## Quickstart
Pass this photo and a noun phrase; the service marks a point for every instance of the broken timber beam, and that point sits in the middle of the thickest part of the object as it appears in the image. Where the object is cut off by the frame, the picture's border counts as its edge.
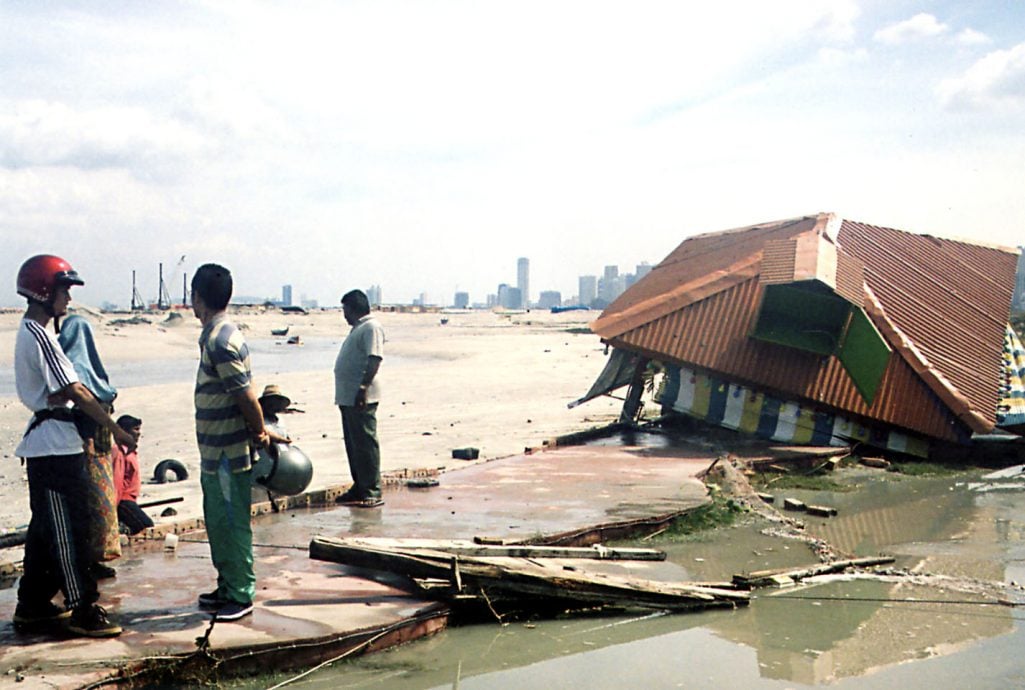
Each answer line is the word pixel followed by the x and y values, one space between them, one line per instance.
pixel 489 549
pixel 518 578
pixel 762 578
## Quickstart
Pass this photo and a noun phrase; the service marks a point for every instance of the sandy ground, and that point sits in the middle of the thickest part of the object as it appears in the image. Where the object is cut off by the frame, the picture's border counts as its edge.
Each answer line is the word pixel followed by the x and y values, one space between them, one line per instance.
pixel 500 383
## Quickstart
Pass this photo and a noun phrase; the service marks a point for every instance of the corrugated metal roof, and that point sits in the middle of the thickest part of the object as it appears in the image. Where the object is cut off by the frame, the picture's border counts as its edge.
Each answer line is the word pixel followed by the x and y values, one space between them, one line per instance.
pixel 700 266
pixel 713 335
pixel 945 303
pixel 951 299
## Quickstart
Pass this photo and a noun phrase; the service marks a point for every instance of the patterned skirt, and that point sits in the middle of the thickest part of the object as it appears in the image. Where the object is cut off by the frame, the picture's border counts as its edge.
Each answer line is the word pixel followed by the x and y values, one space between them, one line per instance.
pixel 104 537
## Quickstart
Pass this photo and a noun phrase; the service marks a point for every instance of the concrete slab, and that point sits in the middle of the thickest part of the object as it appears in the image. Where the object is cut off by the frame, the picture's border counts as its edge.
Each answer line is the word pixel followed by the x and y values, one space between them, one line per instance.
pixel 308 611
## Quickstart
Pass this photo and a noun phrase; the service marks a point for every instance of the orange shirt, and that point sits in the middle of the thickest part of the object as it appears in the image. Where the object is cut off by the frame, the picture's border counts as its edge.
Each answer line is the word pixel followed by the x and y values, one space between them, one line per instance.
pixel 127 480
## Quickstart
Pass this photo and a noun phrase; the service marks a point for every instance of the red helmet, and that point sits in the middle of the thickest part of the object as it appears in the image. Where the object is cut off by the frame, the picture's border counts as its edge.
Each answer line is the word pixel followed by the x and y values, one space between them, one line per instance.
pixel 40 275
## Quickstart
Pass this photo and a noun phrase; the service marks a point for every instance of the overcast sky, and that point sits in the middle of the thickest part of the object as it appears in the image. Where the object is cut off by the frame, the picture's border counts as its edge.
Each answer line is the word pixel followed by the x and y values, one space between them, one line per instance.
pixel 424 146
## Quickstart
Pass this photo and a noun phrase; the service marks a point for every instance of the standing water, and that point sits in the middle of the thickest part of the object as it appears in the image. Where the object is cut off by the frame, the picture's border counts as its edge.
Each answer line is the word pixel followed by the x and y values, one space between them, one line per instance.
pixel 841 632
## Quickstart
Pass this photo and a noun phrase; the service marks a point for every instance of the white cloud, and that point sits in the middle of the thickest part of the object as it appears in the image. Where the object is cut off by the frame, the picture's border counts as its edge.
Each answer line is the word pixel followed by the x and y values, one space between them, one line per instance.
pixel 298 129
pixel 971 37
pixel 995 81
pixel 234 109
pixel 837 20
pixel 920 26
pixel 43 133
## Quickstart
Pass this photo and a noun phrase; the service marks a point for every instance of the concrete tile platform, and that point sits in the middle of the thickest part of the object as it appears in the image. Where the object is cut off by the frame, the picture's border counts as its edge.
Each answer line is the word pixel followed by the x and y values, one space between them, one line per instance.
pixel 308 611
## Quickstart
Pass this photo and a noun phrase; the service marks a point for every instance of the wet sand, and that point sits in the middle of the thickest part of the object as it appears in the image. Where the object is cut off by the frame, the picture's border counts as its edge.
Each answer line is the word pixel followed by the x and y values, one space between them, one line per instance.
pixel 496 382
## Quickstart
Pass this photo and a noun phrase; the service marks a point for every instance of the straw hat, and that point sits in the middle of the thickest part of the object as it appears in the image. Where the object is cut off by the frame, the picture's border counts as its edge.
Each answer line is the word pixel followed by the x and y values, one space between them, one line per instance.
pixel 272 393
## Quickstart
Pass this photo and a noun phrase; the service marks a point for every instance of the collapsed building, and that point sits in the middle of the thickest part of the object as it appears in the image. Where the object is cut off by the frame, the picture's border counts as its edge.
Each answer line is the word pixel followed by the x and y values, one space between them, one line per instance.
pixel 826 331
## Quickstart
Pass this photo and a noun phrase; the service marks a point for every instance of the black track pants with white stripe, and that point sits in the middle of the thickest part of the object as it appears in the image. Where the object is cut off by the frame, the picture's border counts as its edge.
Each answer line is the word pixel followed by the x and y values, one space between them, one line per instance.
pixel 56 546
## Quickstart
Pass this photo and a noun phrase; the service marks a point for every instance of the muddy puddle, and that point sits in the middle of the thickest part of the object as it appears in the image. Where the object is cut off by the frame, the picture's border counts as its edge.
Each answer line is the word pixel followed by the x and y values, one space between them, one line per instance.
pixel 946 631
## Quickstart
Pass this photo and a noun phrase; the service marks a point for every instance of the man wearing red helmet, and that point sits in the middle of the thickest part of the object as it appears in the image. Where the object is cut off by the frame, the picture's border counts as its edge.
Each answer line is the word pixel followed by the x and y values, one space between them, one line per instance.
pixel 55 553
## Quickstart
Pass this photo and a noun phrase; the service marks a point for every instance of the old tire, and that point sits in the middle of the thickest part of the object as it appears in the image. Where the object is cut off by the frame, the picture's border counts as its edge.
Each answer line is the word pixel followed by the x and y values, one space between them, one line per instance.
pixel 164 467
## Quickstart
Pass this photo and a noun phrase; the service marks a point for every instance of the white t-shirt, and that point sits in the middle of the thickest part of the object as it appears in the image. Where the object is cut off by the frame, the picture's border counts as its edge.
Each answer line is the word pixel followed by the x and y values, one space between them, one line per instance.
pixel 366 339
pixel 42 368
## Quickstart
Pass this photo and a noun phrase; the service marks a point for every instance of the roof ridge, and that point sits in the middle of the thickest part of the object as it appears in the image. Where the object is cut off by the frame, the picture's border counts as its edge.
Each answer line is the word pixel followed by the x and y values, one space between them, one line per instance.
pixel 659 305
pixel 702 287
pixel 777 224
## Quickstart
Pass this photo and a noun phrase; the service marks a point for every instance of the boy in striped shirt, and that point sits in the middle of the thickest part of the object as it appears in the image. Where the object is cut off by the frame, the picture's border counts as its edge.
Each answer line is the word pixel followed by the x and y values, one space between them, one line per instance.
pixel 228 421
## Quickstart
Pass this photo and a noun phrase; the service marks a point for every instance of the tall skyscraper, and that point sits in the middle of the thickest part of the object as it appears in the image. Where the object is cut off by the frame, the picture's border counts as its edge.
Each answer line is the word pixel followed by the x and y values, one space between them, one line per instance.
pixel 462 300
pixel 610 284
pixel 374 295
pixel 509 297
pixel 587 289
pixel 523 281
pixel 286 295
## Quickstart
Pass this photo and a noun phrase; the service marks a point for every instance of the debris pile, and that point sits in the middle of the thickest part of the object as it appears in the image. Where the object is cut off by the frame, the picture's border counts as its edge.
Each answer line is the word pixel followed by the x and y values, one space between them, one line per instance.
pixel 508 579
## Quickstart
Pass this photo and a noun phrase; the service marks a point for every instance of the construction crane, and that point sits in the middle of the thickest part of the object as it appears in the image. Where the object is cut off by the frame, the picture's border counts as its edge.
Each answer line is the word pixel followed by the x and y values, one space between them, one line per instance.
pixel 185 293
pixel 164 297
pixel 137 303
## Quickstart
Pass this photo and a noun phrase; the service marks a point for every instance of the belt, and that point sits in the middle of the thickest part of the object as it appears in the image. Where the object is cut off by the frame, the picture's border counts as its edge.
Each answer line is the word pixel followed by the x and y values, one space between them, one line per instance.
pixel 61 414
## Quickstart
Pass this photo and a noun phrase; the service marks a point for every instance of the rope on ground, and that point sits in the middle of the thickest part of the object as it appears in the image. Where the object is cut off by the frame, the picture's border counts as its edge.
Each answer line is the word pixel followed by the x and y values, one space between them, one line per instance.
pixel 202 649
pixel 360 647
pixel 256 545
pixel 195 540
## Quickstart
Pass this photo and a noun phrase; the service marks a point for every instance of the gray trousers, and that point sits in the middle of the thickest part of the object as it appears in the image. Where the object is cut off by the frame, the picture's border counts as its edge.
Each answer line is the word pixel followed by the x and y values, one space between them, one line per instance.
pixel 359 427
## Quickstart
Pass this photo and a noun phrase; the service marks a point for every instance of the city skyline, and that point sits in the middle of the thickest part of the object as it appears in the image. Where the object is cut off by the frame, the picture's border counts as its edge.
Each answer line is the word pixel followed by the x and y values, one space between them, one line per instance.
pixel 135 134
pixel 377 294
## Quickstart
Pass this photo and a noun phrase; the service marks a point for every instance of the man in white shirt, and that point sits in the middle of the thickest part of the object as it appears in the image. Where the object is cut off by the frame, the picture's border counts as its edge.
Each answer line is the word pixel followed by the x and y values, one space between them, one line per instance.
pixel 56 553
pixel 357 394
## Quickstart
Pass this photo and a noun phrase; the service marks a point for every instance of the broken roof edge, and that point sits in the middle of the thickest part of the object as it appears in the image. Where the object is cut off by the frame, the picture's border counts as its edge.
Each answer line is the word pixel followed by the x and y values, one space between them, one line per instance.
pixel 971 242
pixel 655 307
pixel 956 239
pixel 937 382
pixel 822 222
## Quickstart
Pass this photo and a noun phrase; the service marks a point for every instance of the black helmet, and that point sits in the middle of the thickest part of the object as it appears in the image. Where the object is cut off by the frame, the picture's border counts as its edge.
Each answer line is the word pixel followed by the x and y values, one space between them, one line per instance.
pixel 283 468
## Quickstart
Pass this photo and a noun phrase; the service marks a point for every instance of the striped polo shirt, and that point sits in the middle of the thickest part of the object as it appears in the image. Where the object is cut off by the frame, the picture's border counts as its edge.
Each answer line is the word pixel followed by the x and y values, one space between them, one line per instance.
pixel 223 371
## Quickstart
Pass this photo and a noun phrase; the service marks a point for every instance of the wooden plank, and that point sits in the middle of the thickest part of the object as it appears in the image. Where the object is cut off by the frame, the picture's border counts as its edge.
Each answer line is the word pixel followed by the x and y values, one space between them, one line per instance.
pixel 761 578
pixel 514 577
pixel 458 547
